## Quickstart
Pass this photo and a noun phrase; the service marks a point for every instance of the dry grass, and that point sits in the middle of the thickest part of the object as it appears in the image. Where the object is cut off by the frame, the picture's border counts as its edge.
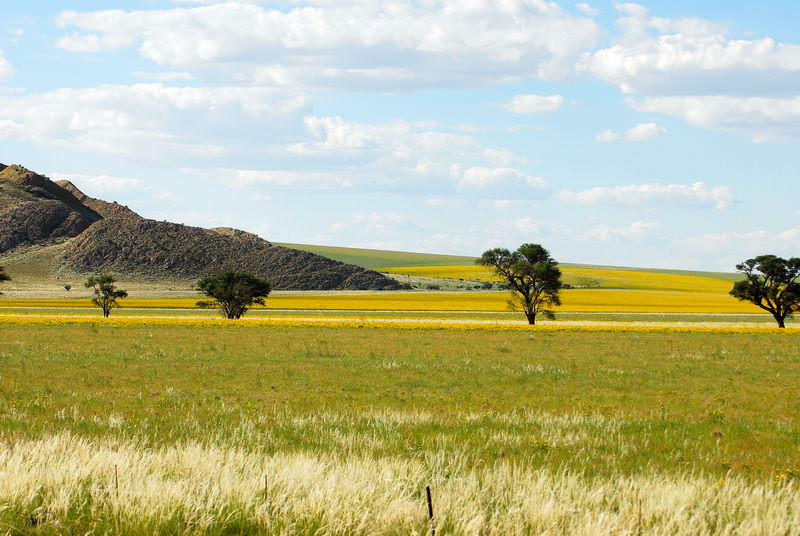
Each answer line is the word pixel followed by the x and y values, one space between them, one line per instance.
pixel 62 481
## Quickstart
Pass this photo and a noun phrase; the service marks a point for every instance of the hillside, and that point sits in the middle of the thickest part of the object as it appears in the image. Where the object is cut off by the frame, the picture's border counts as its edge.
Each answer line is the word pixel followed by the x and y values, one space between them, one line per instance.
pixel 399 262
pixel 50 229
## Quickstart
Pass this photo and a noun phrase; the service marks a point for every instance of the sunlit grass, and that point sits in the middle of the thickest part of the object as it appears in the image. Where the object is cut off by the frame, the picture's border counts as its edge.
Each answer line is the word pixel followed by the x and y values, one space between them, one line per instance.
pixel 516 432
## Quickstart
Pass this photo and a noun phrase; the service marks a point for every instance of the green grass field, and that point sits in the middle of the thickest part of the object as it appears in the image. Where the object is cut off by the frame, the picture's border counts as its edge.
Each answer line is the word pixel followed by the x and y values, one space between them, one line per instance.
pixel 219 430
pixel 377 259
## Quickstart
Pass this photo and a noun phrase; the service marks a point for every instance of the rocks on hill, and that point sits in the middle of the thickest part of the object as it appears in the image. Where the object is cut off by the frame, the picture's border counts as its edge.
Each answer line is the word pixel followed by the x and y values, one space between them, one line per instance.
pixel 108 237
pixel 104 208
pixel 148 248
pixel 35 210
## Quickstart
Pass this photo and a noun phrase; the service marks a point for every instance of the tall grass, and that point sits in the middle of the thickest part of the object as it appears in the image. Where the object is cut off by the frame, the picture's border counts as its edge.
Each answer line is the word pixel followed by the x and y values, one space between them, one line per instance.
pixel 63 481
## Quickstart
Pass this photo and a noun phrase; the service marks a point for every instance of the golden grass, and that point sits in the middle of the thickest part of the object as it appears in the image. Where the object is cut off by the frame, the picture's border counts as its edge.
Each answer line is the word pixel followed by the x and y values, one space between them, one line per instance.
pixel 63 480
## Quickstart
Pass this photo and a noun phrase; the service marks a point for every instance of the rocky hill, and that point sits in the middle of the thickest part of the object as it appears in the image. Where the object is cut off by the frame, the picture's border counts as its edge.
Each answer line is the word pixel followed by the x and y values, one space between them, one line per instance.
pixel 108 237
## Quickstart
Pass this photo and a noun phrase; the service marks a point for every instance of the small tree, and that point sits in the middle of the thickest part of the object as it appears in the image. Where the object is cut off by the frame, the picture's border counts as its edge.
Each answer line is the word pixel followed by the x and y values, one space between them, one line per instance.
pixel 106 293
pixel 4 276
pixel 532 276
pixel 233 292
pixel 67 287
pixel 772 284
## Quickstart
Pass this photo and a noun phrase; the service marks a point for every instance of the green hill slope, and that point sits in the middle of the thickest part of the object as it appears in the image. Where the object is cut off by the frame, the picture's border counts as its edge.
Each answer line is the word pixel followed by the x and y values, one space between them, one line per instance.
pixel 376 258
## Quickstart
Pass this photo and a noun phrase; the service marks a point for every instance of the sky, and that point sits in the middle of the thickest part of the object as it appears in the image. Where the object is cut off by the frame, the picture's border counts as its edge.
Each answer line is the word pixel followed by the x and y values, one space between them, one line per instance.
pixel 654 134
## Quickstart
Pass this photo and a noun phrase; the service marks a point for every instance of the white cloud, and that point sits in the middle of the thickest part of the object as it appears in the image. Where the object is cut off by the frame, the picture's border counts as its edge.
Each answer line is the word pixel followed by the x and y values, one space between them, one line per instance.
pixel 6 70
pixel 607 136
pixel 534 104
pixel 762 118
pixel 734 247
pixel 645 131
pixel 396 140
pixel 637 231
pixel 691 56
pixel 246 178
pixel 170 76
pixel 10 129
pixel 588 10
pixel 720 197
pixel 165 196
pixel 100 185
pixel 396 45
pixel 371 225
pixel 152 121
pixel 494 178
pixel 503 203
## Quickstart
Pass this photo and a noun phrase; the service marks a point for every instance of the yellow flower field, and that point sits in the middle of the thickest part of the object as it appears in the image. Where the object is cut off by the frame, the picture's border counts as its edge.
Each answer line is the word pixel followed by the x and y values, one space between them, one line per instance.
pixel 574 300
pixel 582 277
pixel 384 323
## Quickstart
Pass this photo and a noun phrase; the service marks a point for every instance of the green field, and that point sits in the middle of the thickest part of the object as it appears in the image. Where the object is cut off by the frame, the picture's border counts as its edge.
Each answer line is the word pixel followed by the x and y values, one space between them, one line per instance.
pixel 377 259
pixel 223 429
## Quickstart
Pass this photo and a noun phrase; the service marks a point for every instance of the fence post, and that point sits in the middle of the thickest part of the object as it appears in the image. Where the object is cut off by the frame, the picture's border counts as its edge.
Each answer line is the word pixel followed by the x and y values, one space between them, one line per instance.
pixel 430 510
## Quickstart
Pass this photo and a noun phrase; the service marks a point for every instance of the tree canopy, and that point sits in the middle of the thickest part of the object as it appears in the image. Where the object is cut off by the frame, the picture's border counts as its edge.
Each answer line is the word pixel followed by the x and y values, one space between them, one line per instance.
pixel 4 276
pixel 106 293
pixel 531 274
pixel 772 284
pixel 233 292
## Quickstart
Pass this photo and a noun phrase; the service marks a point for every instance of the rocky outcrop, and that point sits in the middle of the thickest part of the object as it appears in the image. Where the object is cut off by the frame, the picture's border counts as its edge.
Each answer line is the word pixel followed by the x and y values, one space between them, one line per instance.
pixel 109 237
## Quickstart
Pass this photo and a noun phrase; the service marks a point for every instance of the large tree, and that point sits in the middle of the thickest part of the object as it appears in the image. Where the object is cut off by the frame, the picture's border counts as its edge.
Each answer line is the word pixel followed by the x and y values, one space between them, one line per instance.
pixel 106 293
pixel 771 283
pixel 233 292
pixel 532 276
pixel 4 276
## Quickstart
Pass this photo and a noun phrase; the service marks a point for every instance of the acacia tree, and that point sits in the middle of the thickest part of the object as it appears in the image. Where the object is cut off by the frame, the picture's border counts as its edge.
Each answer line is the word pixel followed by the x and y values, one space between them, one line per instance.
pixel 233 292
pixel 772 284
pixel 106 293
pixel 4 276
pixel 532 276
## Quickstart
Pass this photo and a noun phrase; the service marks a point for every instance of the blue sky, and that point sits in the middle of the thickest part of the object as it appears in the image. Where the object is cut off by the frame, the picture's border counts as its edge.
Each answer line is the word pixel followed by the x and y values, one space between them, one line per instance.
pixel 659 134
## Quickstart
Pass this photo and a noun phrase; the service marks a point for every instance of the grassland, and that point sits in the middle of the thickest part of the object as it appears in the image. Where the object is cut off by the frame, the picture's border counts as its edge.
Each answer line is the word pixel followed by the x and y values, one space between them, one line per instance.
pixel 220 429
pixel 655 404
pixel 377 258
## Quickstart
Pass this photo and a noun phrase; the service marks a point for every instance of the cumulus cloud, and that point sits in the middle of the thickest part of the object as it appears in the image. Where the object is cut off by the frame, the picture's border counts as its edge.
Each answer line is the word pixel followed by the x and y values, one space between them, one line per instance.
pixel 152 121
pixel 502 179
pixel 372 226
pixel 534 104
pixel 99 185
pixel 720 197
pixel 691 56
pixel 275 178
pixel 645 131
pixel 728 248
pixel 607 136
pixel 395 45
pixel 170 76
pixel 637 231
pixel 6 70
pixel 762 118
pixel 588 10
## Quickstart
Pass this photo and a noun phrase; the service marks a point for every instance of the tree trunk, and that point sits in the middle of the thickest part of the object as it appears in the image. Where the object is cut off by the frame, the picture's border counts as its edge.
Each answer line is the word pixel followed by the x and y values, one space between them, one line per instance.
pixel 780 320
pixel 531 317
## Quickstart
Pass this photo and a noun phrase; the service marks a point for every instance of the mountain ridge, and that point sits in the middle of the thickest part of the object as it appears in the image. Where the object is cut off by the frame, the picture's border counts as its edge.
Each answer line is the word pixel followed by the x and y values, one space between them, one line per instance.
pixel 108 237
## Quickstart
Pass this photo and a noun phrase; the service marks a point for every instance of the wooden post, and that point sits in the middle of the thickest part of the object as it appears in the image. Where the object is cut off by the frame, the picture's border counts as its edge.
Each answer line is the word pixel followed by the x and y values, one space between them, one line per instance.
pixel 116 481
pixel 266 489
pixel 639 518
pixel 430 510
